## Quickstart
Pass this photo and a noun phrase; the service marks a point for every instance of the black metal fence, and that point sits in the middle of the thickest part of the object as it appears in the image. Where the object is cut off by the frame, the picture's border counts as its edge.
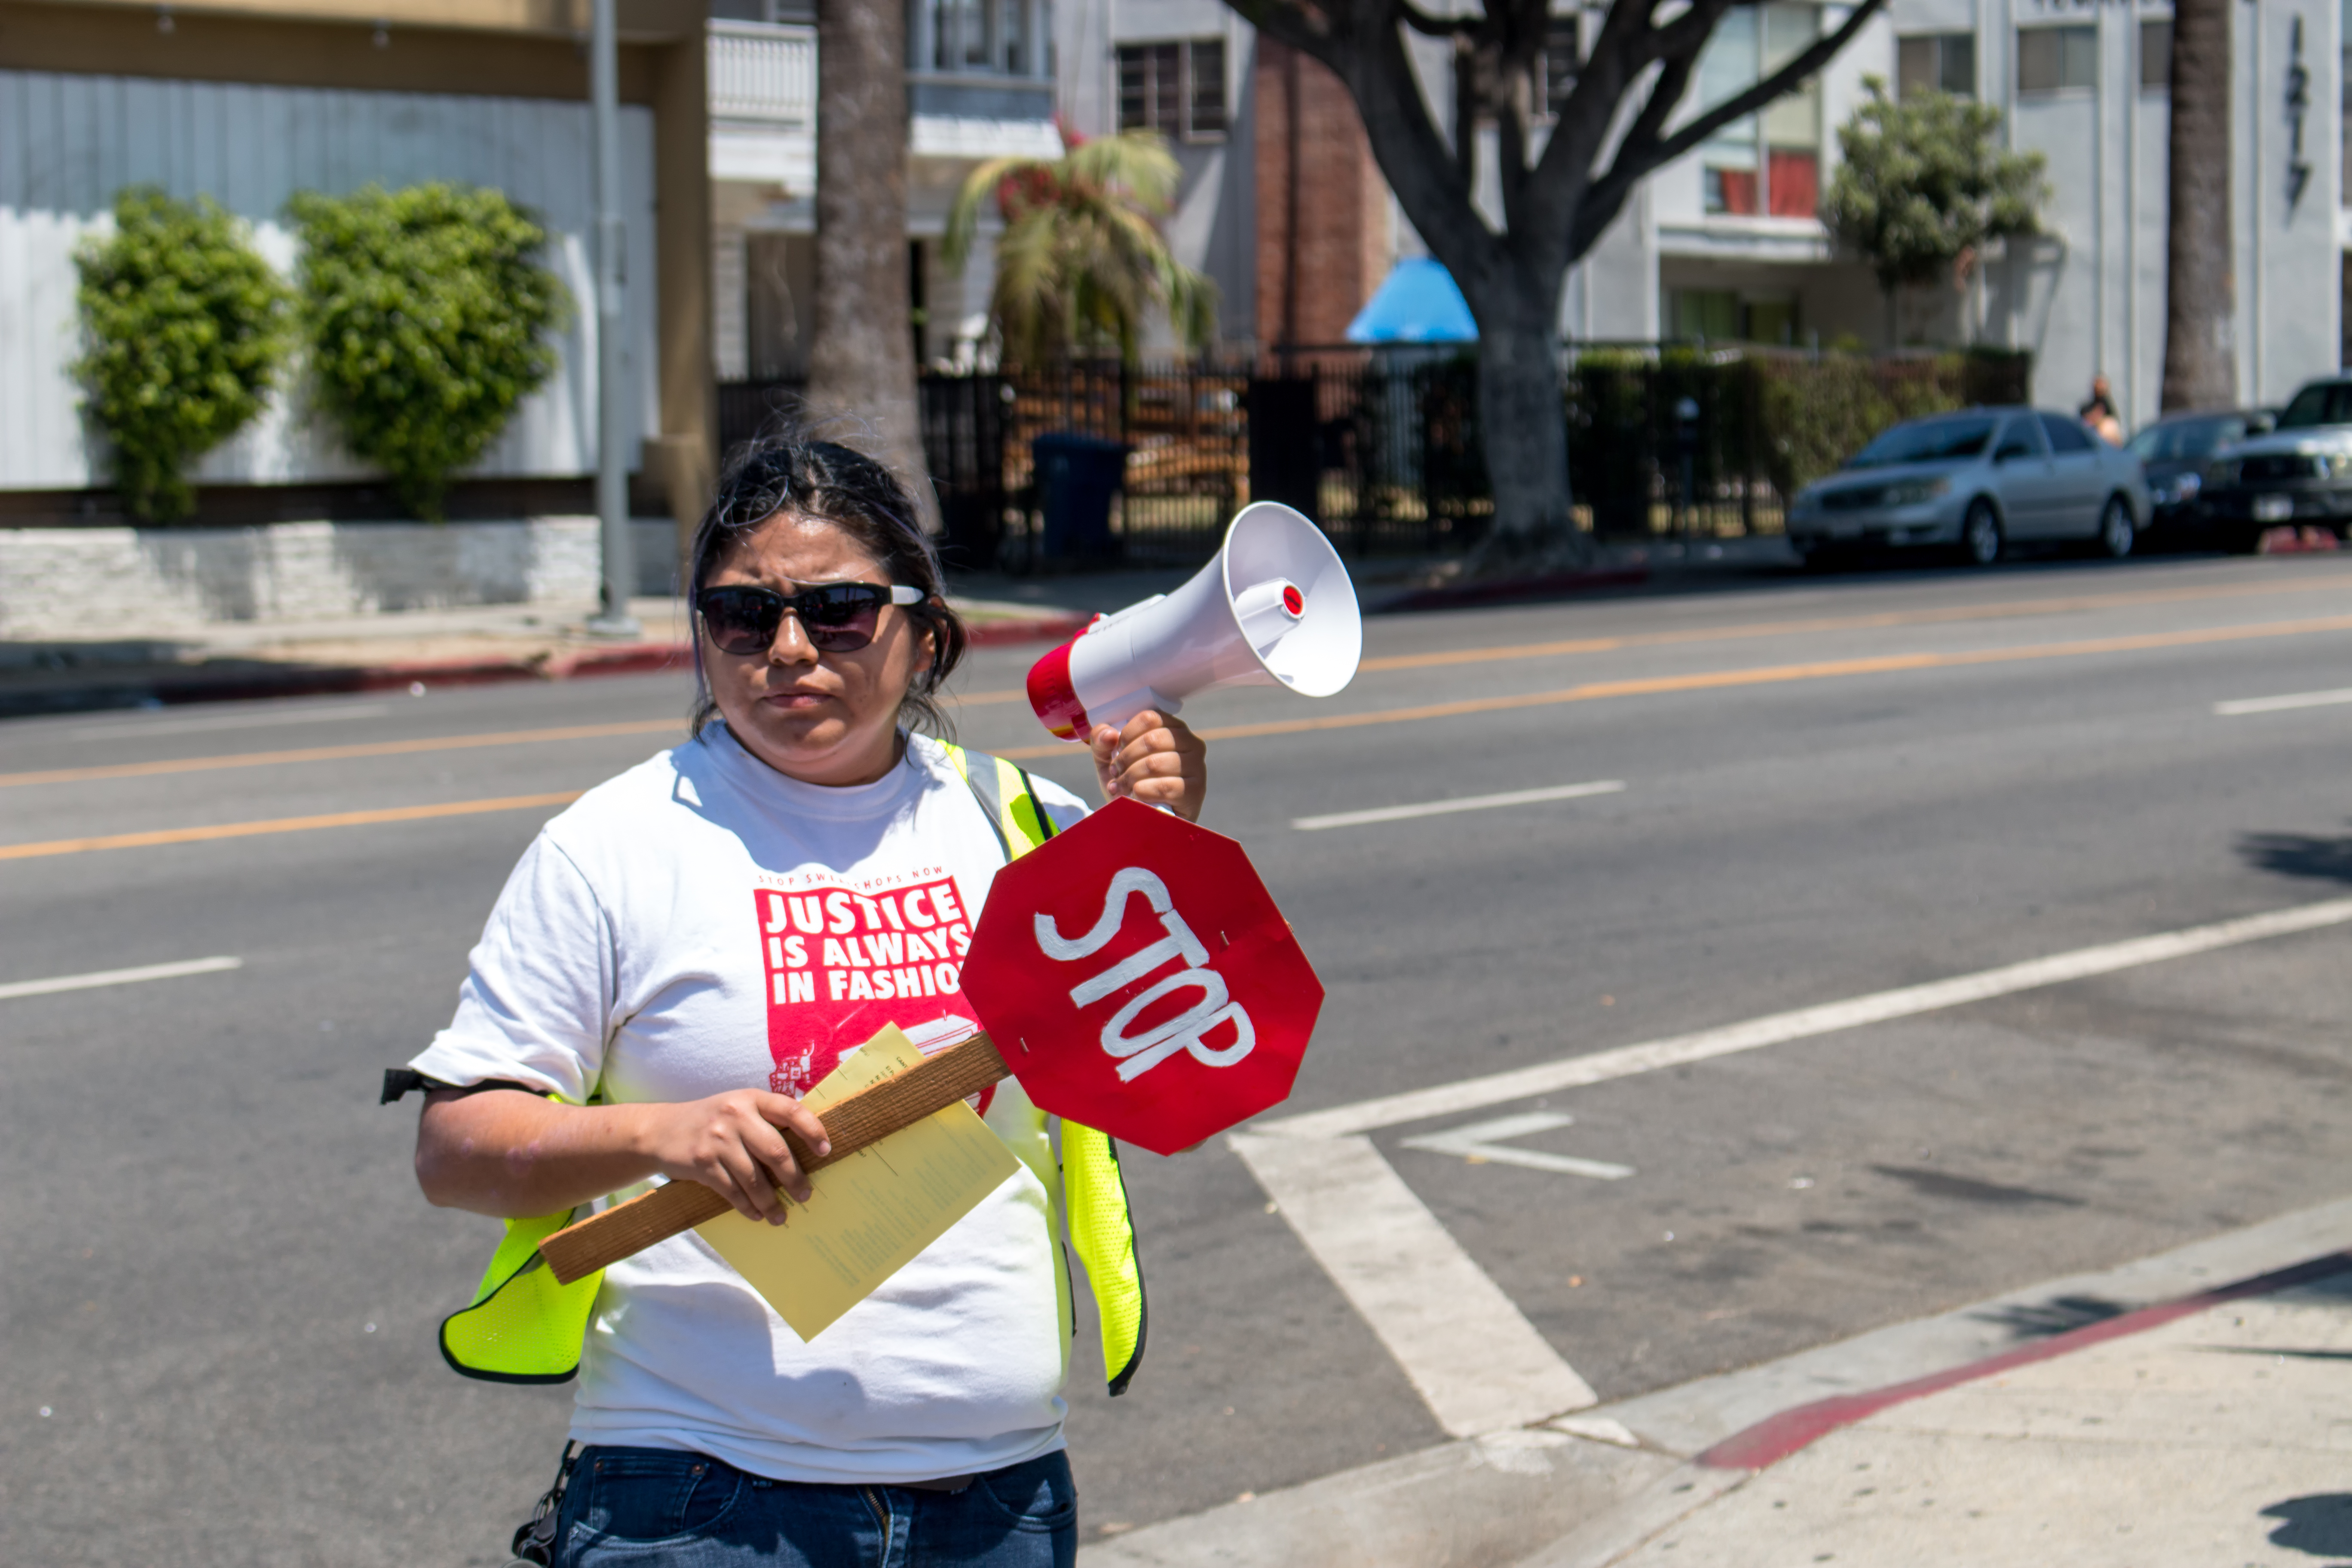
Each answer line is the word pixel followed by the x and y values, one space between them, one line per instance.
pixel 1381 445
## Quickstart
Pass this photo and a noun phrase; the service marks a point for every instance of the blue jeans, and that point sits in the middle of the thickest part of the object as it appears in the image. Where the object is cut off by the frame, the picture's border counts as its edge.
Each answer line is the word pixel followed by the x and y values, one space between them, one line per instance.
pixel 644 1507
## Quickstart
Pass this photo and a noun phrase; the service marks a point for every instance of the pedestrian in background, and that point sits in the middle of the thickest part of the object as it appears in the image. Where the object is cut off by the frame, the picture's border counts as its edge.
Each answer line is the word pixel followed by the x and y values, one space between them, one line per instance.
pixel 627 986
pixel 2099 413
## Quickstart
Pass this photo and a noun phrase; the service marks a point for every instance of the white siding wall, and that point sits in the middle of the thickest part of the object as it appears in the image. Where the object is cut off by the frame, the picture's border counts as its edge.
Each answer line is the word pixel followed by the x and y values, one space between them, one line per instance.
pixel 68 143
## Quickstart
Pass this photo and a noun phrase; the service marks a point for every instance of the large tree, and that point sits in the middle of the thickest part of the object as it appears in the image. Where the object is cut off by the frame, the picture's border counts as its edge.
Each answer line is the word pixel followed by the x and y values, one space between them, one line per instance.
pixel 862 355
pixel 1561 185
pixel 2201 358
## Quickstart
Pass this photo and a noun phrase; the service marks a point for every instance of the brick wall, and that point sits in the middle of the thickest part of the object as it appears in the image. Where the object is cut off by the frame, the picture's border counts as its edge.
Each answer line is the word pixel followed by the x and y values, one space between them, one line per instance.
pixel 179 578
pixel 1309 291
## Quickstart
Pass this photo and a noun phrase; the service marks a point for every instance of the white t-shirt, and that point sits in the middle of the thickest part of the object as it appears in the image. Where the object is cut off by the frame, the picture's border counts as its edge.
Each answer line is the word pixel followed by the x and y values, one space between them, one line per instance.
pixel 703 924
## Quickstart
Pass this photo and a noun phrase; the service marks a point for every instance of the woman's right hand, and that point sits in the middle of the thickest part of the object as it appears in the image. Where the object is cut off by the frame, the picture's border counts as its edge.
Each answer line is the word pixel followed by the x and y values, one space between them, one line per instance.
pixel 730 1144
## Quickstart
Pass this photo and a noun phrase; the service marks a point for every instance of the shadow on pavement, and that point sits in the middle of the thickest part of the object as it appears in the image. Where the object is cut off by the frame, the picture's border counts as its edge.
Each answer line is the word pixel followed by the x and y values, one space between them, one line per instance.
pixel 2298 855
pixel 2320 1524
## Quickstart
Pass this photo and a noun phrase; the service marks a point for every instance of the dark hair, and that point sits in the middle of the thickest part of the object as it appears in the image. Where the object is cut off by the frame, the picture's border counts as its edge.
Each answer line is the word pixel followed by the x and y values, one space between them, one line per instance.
pixel 785 472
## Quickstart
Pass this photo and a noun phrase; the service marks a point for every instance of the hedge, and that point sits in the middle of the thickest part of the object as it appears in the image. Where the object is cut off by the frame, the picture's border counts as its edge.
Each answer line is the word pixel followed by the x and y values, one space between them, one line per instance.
pixel 186 327
pixel 428 310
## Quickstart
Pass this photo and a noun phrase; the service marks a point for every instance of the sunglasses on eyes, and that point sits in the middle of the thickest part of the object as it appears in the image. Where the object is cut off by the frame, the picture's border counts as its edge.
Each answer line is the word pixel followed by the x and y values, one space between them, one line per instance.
pixel 838 617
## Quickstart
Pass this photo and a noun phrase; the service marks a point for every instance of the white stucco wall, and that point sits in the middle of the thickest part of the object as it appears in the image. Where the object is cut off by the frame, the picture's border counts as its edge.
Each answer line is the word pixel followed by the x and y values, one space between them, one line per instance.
pixel 69 143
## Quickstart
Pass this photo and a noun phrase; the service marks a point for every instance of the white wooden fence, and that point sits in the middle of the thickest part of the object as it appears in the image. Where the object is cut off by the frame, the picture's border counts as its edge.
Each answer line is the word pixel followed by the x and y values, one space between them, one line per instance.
pixel 68 143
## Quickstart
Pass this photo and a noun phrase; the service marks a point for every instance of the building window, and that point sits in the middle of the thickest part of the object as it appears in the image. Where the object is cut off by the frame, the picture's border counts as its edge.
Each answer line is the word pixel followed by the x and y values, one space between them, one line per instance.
pixel 1936 62
pixel 1177 90
pixel 1769 163
pixel 2051 59
pixel 1562 58
pixel 1204 89
pixel 983 36
pixel 2156 55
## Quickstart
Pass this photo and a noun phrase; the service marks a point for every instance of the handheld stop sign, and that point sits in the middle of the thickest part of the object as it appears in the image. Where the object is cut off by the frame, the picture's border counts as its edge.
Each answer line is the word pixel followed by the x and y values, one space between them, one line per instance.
pixel 1134 974
pixel 1136 978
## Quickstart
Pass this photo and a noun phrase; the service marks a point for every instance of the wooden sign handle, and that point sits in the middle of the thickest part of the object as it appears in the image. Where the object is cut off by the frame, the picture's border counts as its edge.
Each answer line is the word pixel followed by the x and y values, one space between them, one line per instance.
pixel 867 1117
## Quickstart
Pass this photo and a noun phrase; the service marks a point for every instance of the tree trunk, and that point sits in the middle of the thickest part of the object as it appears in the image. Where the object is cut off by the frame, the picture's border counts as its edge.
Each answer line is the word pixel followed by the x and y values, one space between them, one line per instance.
pixel 2200 361
pixel 1523 428
pixel 862 356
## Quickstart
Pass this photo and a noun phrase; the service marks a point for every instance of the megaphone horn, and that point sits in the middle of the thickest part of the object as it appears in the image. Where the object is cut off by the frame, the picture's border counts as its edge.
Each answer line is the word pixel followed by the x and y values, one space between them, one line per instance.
pixel 1275 609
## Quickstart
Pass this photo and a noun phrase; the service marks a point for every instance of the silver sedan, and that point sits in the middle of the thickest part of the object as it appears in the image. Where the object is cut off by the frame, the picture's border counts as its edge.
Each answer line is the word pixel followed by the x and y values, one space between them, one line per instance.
pixel 1978 482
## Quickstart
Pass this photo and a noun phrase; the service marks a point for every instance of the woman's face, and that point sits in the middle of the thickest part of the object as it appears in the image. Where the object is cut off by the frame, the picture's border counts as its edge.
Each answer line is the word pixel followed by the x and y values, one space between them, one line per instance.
pixel 824 717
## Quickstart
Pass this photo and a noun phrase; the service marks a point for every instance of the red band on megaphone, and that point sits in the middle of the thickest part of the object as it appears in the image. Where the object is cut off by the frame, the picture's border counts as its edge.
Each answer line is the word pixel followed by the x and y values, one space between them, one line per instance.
pixel 1054 699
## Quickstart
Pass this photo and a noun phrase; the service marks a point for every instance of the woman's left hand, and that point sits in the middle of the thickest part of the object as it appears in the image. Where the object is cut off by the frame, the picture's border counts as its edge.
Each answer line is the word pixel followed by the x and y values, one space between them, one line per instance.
pixel 1156 760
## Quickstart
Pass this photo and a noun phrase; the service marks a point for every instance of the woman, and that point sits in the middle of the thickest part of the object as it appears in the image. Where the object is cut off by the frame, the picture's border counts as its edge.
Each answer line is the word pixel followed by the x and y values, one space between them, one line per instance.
pixel 637 956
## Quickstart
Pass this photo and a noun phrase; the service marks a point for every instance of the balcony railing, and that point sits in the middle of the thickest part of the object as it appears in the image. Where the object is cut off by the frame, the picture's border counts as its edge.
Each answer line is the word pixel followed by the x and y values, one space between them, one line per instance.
pixel 764 72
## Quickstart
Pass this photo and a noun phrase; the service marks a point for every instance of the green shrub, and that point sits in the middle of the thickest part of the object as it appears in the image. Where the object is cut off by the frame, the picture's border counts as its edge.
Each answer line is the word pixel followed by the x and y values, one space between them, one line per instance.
pixel 185 328
pixel 428 312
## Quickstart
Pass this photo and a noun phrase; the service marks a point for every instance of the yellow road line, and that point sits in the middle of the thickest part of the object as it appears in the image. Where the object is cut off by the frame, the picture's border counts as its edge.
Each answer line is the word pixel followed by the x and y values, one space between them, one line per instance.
pixel 1511 652
pixel 342 753
pixel 283 824
pixel 1879 620
pixel 1702 680
pixel 1717 680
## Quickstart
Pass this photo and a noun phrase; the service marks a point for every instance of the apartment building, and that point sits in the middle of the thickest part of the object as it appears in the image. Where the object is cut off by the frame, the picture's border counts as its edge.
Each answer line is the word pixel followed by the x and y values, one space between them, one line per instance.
pixel 1283 207
pixel 2085 83
pixel 980 85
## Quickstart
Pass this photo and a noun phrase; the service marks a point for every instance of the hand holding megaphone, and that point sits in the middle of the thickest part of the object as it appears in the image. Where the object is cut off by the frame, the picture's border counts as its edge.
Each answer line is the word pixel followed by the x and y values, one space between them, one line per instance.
pixel 1275 609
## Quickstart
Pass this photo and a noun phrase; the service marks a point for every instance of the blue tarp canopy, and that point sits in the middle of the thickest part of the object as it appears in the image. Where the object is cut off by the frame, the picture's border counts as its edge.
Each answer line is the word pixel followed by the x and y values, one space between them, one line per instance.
pixel 1417 304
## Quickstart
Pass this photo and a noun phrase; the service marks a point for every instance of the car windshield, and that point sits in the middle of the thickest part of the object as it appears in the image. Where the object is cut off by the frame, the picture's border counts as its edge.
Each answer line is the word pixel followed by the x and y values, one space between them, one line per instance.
pixel 2321 402
pixel 2177 439
pixel 1926 442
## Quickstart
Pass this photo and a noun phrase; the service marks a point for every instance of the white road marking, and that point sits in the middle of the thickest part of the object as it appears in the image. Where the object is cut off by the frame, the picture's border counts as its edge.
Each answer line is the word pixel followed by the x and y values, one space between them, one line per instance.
pixel 1467 802
pixel 132 730
pixel 1474 1359
pixel 1478 1364
pixel 1485 1141
pixel 117 976
pixel 2245 705
pixel 1600 1066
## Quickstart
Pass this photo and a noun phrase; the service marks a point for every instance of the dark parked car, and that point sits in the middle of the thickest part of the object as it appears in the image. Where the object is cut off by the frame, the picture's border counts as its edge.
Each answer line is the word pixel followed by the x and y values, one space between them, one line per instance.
pixel 2300 473
pixel 2175 451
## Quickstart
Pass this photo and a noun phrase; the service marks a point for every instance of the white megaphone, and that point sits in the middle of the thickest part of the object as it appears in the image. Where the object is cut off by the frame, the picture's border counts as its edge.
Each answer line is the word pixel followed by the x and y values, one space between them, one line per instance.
pixel 1275 609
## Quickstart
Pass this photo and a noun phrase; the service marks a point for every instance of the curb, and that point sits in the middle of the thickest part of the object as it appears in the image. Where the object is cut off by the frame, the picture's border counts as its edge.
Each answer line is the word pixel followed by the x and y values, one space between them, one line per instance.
pixel 259 680
pixel 1776 1437
pixel 1553 585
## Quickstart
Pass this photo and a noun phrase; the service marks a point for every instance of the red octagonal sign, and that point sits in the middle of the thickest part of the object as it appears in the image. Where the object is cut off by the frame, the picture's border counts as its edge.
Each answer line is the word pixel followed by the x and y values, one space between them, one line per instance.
pixel 1138 978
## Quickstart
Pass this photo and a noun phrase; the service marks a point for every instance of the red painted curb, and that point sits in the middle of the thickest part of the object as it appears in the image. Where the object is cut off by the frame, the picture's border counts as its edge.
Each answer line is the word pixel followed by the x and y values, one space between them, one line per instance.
pixel 259 681
pixel 1046 628
pixel 1776 1437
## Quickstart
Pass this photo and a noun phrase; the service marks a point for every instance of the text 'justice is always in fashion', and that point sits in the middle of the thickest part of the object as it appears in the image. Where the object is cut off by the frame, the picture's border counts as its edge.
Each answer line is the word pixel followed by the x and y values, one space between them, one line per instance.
pixel 841 962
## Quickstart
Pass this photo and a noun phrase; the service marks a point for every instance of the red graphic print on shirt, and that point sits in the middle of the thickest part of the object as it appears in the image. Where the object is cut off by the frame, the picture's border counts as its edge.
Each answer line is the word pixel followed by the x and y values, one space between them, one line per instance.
pixel 845 959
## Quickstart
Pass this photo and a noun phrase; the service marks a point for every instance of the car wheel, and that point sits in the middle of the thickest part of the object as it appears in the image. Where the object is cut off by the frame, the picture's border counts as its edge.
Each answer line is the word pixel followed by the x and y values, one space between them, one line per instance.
pixel 2116 531
pixel 1980 537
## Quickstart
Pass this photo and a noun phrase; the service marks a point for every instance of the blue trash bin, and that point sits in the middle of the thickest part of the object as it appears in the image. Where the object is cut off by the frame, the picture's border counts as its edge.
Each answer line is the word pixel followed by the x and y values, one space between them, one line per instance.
pixel 1076 476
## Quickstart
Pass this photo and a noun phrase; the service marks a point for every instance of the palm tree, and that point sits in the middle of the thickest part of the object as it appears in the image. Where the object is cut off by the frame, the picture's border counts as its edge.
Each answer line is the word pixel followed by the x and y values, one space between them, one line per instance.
pixel 862 353
pixel 1082 263
pixel 2200 363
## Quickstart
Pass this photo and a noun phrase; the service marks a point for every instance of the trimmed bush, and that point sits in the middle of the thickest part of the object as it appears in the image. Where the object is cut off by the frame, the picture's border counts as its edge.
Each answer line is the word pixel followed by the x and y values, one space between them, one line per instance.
pixel 428 310
pixel 186 327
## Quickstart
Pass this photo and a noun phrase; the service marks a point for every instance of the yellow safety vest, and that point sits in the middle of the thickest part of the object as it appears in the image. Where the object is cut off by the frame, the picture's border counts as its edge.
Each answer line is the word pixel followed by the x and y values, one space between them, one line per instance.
pixel 524 1327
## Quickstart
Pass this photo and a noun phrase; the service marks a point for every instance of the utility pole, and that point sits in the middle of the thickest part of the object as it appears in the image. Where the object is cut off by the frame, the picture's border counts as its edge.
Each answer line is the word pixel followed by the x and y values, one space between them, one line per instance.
pixel 612 433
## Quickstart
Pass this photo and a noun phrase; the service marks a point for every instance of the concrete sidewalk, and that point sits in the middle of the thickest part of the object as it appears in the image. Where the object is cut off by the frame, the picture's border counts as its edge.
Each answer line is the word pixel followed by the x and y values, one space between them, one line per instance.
pixel 2216 1436
pixel 2188 1410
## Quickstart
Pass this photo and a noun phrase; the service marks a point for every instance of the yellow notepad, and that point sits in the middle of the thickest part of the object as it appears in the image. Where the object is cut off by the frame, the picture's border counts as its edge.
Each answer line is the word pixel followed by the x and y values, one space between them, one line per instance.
pixel 867 1217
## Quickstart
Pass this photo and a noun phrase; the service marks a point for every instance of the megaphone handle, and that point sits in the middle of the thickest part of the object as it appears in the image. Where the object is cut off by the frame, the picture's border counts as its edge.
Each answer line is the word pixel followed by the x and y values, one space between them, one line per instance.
pixel 851 1123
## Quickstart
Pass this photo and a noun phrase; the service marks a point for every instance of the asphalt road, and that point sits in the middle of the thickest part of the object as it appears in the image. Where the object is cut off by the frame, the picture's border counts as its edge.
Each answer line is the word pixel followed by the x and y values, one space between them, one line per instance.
pixel 220 1286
